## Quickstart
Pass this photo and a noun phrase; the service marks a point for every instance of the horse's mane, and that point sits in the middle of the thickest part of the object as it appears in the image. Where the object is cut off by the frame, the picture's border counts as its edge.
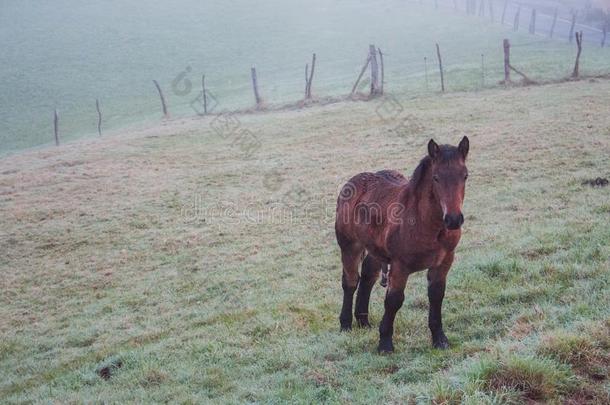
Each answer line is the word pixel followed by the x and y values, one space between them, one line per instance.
pixel 420 171
pixel 447 153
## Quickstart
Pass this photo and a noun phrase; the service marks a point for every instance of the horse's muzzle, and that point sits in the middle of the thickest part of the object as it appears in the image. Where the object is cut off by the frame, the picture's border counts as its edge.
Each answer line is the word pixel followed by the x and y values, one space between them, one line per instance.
pixel 453 221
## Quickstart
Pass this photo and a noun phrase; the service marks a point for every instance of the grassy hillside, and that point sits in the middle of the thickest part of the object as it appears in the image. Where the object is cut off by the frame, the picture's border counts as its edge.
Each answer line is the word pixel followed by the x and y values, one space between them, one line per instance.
pixel 65 54
pixel 173 264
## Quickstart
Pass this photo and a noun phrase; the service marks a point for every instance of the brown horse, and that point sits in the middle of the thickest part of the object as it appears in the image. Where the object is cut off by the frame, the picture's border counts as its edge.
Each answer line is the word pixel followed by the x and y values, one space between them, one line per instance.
pixel 410 225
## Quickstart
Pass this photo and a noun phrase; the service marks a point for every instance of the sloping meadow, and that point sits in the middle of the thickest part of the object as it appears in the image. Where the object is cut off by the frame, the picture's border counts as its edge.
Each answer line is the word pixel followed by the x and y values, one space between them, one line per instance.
pixel 175 265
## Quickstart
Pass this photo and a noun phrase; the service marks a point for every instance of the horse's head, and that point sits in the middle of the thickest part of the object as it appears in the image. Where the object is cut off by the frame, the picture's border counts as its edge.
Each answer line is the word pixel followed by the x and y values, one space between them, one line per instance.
pixel 449 173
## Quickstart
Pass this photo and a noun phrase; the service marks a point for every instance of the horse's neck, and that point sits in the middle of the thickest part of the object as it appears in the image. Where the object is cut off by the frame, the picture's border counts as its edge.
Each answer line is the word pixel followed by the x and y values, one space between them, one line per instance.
pixel 424 204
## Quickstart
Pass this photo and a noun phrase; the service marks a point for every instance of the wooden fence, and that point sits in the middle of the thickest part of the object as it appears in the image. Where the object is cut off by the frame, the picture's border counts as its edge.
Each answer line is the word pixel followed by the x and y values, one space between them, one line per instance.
pixel 374 62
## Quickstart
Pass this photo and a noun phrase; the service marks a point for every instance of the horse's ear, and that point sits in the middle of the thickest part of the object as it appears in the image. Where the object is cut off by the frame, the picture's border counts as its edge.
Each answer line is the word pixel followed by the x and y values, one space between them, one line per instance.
pixel 433 149
pixel 464 146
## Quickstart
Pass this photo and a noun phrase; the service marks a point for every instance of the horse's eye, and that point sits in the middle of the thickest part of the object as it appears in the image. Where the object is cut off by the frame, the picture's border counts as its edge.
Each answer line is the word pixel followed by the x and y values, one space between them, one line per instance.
pixel 435 178
pixel 465 176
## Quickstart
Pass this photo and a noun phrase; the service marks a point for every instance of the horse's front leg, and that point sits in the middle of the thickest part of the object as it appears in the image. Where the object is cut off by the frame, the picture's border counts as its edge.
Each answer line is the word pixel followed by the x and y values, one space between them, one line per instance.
pixel 437 277
pixel 394 297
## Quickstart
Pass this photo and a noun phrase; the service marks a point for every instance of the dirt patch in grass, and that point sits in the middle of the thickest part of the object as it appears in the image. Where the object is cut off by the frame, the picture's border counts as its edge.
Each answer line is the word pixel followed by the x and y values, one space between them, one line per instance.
pixel 390 369
pixel 597 182
pixel 154 378
pixel 320 379
pixel 588 394
pixel 521 328
pixel 107 370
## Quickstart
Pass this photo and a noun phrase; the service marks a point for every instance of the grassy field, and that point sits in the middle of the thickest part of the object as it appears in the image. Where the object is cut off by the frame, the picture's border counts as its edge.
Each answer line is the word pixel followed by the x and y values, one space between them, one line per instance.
pixel 171 264
pixel 65 54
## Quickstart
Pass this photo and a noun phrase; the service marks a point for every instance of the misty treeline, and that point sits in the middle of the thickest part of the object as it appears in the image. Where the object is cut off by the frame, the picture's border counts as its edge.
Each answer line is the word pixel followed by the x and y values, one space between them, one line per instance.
pixel 593 12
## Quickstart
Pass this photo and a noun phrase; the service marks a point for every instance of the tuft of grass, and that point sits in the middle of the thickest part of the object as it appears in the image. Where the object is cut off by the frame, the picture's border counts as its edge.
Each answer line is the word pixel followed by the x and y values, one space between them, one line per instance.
pixel 216 382
pixel 583 353
pixel 443 393
pixel 8 347
pixel 504 268
pixel 534 378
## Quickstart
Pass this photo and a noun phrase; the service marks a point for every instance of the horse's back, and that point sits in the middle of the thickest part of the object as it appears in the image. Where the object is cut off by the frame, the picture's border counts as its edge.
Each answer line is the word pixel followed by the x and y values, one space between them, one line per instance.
pixel 365 204
pixel 371 187
pixel 393 176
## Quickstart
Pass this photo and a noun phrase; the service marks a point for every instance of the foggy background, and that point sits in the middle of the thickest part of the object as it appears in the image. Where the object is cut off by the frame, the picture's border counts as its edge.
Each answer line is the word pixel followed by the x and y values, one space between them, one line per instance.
pixel 64 54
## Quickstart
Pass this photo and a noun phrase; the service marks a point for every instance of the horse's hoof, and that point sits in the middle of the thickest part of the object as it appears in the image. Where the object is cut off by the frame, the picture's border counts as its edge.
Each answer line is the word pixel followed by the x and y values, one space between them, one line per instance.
pixel 441 343
pixel 385 347
pixel 346 328
pixel 364 323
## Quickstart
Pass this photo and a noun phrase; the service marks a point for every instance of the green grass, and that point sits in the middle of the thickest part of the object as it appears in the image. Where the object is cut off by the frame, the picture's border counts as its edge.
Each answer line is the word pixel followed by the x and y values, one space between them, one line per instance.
pixel 64 55
pixel 192 273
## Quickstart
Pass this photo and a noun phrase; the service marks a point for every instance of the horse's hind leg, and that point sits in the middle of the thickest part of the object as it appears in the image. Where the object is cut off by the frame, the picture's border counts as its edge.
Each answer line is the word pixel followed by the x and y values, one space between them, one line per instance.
pixel 370 272
pixel 394 297
pixel 351 254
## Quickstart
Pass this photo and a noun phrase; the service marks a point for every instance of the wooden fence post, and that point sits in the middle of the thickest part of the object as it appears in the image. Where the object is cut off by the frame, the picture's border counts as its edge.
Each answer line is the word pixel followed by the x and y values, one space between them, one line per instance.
pixel 508 67
pixel 504 11
pixel 604 32
pixel 56 127
pixel 306 78
pixel 99 117
pixel 204 95
pixel 579 45
pixel 163 105
pixel 366 65
pixel 313 68
pixel 516 22
pixel 440 67
pixel 506 61
pixel 309 78
pixel 257 96
pixel 482 70
pixel 553 23
pixel 382 71
pixel 426 71
pixel 532 28
pixel 572 26
pixel 374 70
